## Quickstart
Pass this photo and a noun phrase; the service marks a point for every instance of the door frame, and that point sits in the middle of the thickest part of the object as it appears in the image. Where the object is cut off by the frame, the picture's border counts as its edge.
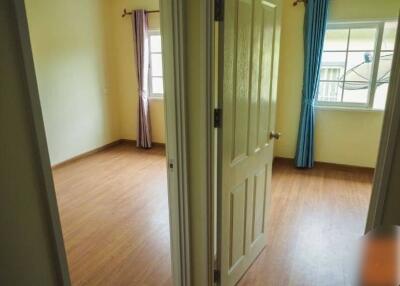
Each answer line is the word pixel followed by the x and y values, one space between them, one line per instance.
pixel 40 138
pixel 176 141
pixel 387 147
pixel 176 138
pixel 197 20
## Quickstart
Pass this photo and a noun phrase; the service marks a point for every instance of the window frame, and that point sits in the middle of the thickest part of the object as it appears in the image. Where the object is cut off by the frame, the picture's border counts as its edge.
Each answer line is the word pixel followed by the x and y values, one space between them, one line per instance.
pixel 153 95
pixel 368 106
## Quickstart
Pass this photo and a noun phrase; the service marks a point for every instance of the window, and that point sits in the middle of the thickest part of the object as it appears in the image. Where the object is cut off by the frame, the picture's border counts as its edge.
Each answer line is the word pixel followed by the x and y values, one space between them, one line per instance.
pixel 156 84
pixel 356 64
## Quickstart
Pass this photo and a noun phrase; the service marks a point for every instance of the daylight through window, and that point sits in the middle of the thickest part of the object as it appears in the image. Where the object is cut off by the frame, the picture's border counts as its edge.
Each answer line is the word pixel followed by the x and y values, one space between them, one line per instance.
pixel 156 85
pixel 356 64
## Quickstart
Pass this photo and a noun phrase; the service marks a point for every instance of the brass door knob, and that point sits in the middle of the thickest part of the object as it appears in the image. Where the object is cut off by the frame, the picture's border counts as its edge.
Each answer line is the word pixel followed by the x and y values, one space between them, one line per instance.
pixel 275 135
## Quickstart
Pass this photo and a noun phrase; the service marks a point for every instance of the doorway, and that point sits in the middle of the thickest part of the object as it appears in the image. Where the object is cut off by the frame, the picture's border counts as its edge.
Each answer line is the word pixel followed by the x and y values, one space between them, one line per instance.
pixel 316 217
pixel 90 179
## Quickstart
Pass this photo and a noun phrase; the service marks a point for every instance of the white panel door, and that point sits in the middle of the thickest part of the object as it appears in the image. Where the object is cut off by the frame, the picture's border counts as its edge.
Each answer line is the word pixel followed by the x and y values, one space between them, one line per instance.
pixel 251 35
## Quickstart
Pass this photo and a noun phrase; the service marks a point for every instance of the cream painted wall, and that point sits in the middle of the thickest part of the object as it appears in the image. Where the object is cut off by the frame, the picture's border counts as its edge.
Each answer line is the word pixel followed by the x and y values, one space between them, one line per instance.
pixel 69 46
pixel 342 137
pixel 124 69
pixel 85 63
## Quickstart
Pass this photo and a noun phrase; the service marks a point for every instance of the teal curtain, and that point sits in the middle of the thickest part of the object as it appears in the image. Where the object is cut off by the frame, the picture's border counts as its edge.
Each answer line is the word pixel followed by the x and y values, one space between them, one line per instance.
pixel 314 34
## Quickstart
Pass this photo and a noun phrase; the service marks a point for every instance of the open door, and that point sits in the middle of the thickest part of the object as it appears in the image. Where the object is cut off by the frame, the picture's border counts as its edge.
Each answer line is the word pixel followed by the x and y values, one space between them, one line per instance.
pixel 249 45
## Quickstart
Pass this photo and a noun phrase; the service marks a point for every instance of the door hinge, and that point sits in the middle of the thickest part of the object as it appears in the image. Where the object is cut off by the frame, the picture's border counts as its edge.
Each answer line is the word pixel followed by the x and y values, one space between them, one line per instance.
pixel 217 118
pixel 219 10
pixel 217 276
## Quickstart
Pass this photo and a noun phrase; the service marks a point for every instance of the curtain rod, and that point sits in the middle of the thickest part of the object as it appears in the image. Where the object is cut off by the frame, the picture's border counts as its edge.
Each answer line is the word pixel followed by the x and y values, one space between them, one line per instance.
pixel 299 1
pixel 147 12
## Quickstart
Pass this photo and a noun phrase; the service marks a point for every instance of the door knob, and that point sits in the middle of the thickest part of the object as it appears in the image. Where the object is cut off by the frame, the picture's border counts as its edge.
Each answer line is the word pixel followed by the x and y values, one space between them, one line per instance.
pixel 275 135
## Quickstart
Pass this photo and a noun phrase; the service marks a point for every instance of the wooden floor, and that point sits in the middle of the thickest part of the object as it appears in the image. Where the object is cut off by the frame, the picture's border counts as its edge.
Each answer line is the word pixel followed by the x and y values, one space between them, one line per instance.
pixel 317 218
pixel 114 215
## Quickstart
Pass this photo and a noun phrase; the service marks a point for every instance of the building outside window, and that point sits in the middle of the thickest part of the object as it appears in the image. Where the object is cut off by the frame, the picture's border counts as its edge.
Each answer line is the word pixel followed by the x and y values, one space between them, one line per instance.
pixel 356 64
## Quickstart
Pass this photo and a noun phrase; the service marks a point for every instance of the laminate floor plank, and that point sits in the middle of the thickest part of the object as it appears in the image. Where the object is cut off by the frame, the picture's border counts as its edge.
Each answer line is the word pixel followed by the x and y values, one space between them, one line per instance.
pixel 317 218
pixel 114 215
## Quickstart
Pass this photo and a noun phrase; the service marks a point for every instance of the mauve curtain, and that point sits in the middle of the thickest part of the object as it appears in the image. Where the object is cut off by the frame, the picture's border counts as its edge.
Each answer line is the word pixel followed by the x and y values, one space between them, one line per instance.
pixel 314 34
pixel 139 22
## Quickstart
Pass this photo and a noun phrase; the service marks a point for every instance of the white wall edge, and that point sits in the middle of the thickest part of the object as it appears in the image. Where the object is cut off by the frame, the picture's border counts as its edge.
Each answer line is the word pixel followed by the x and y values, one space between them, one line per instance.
pixel 391 125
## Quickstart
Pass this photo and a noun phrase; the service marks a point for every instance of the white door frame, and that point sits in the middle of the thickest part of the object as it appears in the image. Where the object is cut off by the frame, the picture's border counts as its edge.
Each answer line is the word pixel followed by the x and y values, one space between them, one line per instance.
pixel 174 101
pixel 176 145
pixel 389 135
pixel 40 138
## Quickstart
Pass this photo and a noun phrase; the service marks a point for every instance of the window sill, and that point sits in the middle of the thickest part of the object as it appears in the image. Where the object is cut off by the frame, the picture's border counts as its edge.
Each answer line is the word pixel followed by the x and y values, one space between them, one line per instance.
pixel 156 98
pixel 348 109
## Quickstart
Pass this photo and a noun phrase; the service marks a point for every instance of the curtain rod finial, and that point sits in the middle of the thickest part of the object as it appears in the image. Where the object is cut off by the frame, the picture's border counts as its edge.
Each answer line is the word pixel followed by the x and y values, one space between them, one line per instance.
pixel 125 13
pixel 299 1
